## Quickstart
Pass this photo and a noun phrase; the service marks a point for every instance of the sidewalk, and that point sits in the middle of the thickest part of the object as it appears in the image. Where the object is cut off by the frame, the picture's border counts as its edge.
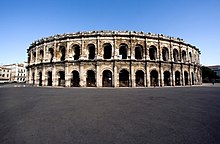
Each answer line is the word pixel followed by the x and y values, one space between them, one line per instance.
pixel 211 85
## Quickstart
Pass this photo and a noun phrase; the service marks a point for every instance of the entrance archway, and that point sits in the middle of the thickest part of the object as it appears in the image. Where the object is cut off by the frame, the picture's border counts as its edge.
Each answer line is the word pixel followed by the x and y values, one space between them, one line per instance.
pixel 154 78
pixel 75 79
pixel 177 78
pixel 33 75
pixel 124 78
pixel 166 78
pixel 186 77
pixel 61 80
pixel 192 78
pixel 49 78
pixel 91 80
pixel 40 78
pixel 107 78
pixel 139 78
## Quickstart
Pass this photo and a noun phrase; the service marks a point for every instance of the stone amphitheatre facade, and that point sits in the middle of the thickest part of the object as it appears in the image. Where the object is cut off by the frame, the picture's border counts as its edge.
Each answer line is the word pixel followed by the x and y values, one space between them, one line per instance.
pixel 113 59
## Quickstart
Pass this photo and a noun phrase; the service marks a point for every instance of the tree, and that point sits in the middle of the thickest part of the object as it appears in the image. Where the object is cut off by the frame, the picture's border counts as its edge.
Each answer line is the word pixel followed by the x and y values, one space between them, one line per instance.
pixel 208 75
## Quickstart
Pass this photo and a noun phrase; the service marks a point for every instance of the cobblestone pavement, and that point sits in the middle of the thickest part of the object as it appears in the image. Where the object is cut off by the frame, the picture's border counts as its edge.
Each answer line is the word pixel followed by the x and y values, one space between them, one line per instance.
pixel 180 115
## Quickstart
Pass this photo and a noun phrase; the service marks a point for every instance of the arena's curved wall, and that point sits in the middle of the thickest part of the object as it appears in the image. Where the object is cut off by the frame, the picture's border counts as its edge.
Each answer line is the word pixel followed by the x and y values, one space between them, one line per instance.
pixel 113 59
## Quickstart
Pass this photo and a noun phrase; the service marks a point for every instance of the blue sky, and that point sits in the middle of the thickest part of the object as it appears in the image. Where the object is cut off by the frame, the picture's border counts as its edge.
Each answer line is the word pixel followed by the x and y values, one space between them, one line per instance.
pixel 24 21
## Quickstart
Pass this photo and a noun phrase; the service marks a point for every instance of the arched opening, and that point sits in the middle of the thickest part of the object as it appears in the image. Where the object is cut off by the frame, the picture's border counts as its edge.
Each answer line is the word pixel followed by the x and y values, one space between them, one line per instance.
pixel 153 53
pixel 33 78
pixel 190 57
pixel 76 50
pixel 63 53
pixel 154 78
pixel 186 77
pixel 175 55
pixel 91 48
pixel 107 51
pixel 123 51
pixel 192 74
pixel 51 54
pixel 29 58
pixel 124 78
pixel 91 80
pixel 177 78
pixel 41 55
pixel 34 56
pixel 165 54
pixel 184 56
pixel 139 78
pixel 107 78
pixel 49 78
pixel 138 52
pixel 166 78
pixel 40 78
pixel 75 79
pixel 61 79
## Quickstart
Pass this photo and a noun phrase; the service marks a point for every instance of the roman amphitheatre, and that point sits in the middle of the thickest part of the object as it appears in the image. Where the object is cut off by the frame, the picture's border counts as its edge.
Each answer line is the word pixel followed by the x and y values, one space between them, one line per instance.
pixel 113 59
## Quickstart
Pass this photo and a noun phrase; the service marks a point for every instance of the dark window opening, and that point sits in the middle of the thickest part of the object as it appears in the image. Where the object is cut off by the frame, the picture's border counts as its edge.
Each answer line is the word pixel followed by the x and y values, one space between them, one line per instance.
pixel 138 52
pixel 107 78
pixel 91 48
pixel 153 53
pixel 139 78
pixel 29 58
pixel 75 79
pixel 190 56
pixel 165 54
pixel 63 53
pixel 61 79
pixel 175 55
pixel 167 78
pixel 76 52
pixel 51 54
pixel 184 56
pixel 107 51
pixel 34 55
pixel 123 51
pixel 41 55
pixel 154 78
pixel 124 78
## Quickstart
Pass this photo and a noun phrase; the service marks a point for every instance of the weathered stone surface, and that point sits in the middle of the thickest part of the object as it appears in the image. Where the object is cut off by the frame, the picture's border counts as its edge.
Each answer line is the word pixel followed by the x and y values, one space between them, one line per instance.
pixel 113 58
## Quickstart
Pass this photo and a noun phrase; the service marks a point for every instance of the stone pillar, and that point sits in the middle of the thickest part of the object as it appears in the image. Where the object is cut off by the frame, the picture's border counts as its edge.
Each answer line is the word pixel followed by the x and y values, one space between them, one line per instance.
pixel 182 77
pixel 148 76
pixel 36 77
pixel 115 76
pixel 162 77
pixel 133 84
pixel 67 76
pixel 54 76
pixel 44 77
pixel 98 76
pixel 82 75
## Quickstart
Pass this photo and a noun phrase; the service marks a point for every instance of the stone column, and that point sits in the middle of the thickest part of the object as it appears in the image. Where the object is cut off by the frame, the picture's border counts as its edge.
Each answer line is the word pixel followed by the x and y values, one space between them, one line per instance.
pixel 162 76
pixel 98 76
pixel 133 84
pixel 67 76
pixel 43 76
pixel 54 76
pixel 82 75
pixel 115 76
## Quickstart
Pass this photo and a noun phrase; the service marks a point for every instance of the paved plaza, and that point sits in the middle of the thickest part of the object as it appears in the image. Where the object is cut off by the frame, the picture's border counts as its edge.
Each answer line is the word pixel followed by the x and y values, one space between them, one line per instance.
pixel 166 115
